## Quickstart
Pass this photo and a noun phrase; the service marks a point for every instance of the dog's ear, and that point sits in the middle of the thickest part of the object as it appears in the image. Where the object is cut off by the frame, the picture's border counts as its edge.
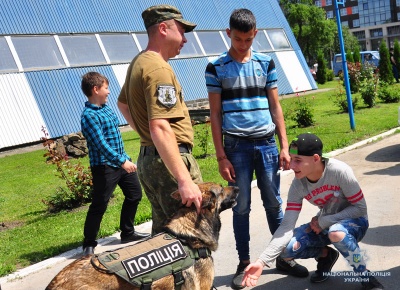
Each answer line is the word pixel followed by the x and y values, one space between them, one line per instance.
pixel 209 199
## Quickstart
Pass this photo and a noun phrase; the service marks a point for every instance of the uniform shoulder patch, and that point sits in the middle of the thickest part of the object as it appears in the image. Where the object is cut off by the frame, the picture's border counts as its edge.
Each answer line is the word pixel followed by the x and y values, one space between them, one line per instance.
pixel 167 95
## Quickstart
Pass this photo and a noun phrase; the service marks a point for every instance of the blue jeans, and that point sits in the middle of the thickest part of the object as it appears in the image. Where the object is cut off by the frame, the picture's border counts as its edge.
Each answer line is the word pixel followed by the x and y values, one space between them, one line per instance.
pixel 311 244
pixel 262 158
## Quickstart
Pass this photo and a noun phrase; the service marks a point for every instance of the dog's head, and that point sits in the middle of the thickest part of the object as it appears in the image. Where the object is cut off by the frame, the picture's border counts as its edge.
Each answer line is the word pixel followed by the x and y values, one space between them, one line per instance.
pixel 202 230
pixel 215 196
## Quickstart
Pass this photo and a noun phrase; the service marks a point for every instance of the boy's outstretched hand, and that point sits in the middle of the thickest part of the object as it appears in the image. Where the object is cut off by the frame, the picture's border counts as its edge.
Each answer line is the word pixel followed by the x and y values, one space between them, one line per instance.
pixel 252 273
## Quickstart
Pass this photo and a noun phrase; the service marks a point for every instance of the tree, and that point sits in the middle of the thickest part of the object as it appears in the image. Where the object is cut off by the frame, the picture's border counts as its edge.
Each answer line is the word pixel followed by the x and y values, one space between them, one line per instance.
pixel 385 67
pixel 349 56
pixel 322 69
pixel 310 27
pixel 350 41
pixel 356 54
pixel 313 31
pixel 396 53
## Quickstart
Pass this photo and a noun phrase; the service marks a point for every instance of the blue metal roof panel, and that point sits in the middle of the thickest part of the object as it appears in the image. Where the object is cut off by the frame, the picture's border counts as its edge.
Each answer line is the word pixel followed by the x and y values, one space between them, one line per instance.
pixel 190 73
pixel 90 16
pixel 60 99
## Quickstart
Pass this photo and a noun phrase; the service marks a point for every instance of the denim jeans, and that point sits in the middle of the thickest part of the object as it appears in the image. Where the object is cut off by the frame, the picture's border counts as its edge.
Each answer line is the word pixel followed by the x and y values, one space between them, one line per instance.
pixel 262 158
pixel 312 244
pixel 105 180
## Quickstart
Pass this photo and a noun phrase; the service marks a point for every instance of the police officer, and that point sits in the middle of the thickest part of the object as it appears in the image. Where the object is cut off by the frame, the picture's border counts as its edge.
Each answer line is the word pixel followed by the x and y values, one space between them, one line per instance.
pixel 151 100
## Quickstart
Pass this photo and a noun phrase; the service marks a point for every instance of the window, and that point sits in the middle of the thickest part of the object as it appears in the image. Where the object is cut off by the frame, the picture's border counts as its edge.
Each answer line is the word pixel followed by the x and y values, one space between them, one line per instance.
pixel 38 52
pixel 329 14
pixel 354 9
pixel 343 11
pixel 82 50
pixel 328 2
pixel 120 47
pixel 376 32
pixel 393 30
pixel 318 3
pixel 345 23
pixel 212 42
pixel 143 40
pixel 191 47
pixel 41 52
pixel 356 23
pixel 261 42
pixel 278 39
pixel 359 34
pixel 7 63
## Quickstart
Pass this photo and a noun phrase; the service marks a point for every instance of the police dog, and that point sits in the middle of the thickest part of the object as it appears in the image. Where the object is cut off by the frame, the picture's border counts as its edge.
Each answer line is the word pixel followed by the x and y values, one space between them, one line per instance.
pixel 196 230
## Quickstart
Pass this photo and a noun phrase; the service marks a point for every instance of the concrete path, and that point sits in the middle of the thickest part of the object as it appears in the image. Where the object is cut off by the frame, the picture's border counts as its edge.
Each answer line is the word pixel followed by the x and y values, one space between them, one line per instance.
pixel 377 167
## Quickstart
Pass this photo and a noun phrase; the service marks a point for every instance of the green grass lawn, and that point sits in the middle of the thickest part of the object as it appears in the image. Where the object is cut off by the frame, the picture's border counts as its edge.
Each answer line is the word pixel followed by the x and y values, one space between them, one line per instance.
pixel 29 234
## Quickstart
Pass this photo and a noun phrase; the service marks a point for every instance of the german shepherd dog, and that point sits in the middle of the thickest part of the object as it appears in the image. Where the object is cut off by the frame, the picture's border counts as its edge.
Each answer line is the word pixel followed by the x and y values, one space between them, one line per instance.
pixel 196 230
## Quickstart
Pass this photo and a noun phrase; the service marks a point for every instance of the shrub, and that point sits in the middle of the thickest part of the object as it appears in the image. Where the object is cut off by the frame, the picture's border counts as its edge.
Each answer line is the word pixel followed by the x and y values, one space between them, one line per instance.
pixel 369 91
pixel 329 75
pixel 354 70
pixel 77 178
pixel 203 135
pixel 302 112
pixel 340 99
pixel 388 95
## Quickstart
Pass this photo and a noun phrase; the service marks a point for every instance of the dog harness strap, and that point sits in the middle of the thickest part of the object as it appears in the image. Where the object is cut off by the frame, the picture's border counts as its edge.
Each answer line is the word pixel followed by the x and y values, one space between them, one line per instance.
pixel 146 285
pixel 178 279
pixel 204 252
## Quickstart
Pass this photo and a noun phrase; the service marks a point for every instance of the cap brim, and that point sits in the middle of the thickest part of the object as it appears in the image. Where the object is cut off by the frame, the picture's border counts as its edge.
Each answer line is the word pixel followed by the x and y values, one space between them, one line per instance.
pixel 189 26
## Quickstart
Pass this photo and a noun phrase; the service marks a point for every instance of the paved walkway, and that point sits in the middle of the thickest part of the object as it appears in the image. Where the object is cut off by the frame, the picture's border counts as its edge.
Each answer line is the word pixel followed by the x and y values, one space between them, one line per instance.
pixel 376 163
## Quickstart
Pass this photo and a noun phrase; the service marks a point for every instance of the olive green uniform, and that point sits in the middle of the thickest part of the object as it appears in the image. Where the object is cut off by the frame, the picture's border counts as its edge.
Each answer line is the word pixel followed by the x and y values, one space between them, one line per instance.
pixel 152 91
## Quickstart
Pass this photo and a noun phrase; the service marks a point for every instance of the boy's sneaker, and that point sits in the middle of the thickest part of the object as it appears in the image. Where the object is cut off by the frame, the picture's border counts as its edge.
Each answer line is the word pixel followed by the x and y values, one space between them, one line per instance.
pixel 291 267
pixel 238 277
pixel 324 266
pixel 371 283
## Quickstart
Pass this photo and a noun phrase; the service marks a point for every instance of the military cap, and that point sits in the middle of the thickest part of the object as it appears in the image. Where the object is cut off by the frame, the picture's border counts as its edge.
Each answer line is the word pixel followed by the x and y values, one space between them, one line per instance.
pixel 159 13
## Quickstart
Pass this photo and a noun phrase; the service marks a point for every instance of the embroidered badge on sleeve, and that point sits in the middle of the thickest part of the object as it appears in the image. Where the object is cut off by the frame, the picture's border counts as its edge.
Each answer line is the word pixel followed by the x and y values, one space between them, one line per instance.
pixel 167 95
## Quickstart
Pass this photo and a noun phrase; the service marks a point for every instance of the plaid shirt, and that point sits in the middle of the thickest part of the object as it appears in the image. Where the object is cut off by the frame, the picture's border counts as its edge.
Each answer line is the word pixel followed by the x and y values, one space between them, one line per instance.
pixel 100 128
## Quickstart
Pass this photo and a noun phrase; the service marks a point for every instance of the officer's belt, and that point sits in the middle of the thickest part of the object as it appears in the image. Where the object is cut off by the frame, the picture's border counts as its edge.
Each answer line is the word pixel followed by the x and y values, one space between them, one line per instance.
pixel 152 150
pixel 145 262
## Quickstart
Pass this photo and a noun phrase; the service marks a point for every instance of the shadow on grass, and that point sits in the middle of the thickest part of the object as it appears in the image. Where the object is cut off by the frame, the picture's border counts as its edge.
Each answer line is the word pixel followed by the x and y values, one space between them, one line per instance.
pixel 35 257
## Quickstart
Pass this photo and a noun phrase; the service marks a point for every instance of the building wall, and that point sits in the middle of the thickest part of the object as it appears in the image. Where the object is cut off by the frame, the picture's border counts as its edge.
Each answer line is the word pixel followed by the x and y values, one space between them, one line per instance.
pixel 51 97
pixel 371 21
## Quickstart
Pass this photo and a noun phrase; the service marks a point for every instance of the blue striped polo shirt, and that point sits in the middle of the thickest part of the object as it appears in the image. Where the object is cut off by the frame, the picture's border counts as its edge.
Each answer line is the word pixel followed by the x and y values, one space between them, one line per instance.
pixel 242 86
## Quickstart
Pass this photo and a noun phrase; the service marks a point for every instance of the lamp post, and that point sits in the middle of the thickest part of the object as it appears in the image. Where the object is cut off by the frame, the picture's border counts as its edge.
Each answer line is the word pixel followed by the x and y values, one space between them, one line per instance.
pixel 344 63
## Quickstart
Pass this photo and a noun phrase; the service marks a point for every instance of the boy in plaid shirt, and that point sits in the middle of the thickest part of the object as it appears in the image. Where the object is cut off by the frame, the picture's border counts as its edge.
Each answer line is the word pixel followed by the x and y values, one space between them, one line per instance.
pixel 109 163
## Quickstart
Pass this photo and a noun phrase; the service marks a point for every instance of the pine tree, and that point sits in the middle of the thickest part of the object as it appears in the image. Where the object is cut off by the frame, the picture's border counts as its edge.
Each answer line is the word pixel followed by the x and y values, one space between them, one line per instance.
pixel 322 68
pixel 396 53
pixel 385 67
pixel 356 54
pixel 349 56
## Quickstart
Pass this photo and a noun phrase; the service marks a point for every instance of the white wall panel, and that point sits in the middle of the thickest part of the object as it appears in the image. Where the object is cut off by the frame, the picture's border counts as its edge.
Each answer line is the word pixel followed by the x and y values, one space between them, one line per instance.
pixel 294 71
pixel 20 118
pixel 120 73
